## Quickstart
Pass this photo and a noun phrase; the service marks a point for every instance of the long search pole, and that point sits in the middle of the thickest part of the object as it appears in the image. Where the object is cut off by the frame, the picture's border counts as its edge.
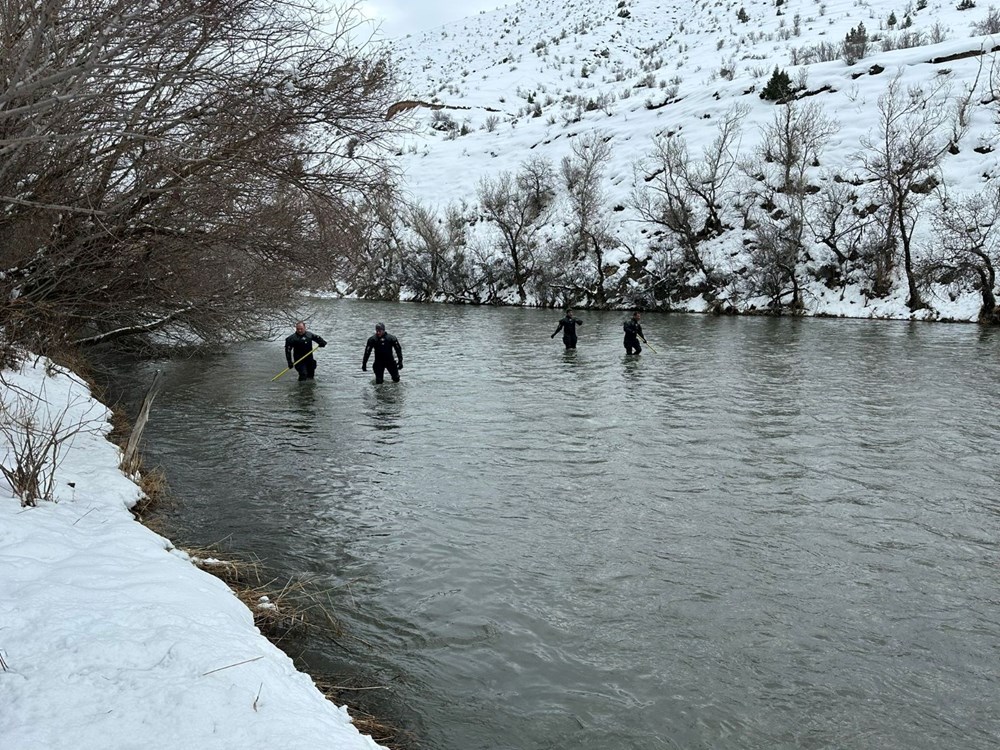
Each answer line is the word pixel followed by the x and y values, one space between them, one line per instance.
pixel 315 348
pixel 650 346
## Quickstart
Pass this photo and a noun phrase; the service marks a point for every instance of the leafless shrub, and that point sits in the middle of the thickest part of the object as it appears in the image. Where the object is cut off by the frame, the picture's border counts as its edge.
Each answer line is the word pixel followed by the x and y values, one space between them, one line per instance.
pixel 589 234
pixel 684 196
pixel 35 445
pixel 773 269
pixel 968 251
pixel 516 204
pixel 902 157
pixel 844 227
pixel 902 40
pixel 791 144
pixel 937 33
pixel 816 53
pixel 990 24
pixel 181 167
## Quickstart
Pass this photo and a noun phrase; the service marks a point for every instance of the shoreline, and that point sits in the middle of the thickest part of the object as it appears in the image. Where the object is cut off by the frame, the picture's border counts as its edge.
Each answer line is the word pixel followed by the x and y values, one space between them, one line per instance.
pixel 850 304
pixel 112 636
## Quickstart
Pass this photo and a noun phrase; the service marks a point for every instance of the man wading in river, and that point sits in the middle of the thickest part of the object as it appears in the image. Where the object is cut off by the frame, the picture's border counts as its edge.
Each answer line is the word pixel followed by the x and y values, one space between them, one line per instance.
pixel 568 326
pixel 382 344
pixel 633 332
pixel 297 346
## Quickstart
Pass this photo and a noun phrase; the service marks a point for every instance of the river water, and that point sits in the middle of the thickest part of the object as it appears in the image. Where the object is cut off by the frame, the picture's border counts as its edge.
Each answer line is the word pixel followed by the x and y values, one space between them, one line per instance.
pixel 770 533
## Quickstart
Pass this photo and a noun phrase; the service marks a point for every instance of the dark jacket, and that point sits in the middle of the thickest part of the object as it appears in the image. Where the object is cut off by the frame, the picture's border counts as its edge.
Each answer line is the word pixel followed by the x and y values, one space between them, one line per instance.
pixel 633 329
pixel 298 346
pixel 568 327
pixel 383 347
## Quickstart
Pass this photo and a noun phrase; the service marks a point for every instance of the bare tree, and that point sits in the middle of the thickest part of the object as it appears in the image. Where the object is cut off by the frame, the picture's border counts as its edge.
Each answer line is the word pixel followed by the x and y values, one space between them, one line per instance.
pixel 844 227
pixel 375 266
pixel 903 157
pixel 435 262
pixel 516 204
pixel 791 145
pixel 173 166
pixel 968 248
pixel 589 234
pixel 685 197
pixel 425 260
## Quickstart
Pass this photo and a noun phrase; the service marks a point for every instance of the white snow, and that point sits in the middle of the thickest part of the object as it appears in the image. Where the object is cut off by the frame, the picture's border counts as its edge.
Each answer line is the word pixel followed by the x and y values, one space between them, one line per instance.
pixel 111 637
pixel 633 55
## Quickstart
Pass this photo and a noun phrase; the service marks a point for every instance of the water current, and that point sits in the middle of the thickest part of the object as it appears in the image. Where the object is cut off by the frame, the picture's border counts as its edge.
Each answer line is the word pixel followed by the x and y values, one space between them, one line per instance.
pixel 766 533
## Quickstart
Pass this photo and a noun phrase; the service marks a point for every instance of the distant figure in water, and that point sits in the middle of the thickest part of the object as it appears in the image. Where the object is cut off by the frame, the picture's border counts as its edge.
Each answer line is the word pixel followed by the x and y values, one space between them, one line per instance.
pixel 568 326
pixel 297 346
pixel 383 344
pixel 633 334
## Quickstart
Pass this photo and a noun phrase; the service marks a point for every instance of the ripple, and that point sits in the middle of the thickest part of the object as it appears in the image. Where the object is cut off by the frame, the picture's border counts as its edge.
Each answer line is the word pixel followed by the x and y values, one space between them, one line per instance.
pixel 775 533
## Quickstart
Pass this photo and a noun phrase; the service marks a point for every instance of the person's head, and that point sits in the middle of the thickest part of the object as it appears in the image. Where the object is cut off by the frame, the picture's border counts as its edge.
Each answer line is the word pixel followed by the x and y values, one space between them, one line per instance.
pixel 636 315
pixel 300 327
pixel 379 329
pixel 569 313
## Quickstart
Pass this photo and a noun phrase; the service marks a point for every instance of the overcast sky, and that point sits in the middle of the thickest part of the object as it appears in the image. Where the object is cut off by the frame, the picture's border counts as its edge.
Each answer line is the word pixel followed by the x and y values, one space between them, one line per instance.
pixel 402 17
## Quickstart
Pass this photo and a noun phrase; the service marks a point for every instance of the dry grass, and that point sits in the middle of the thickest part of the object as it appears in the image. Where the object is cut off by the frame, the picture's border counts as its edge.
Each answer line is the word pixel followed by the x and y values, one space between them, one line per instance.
pixel 279 611
pixel 288 611
pixel 236 572
pixel 121 425
pixel 384 734
pixel 73 359
pixel 155 495
pixel 294 609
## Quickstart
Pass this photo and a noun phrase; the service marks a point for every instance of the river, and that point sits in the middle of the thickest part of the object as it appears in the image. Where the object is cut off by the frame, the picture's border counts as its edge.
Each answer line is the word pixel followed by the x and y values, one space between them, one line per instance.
pixel 768 533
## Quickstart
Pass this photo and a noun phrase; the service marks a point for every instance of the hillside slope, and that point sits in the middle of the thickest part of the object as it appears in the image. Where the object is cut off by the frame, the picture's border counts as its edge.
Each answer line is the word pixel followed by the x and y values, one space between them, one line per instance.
pixel 658 82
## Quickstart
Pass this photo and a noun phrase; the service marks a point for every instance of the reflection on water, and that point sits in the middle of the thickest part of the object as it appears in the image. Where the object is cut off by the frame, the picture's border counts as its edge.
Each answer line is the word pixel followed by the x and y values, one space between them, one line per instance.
pixel 302 407
pixel 384 406
pixel 769 534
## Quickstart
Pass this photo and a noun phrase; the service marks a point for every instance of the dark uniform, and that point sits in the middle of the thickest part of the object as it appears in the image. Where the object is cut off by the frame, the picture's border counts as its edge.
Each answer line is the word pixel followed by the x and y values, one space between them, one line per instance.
pixel 568 326
pixel 298 345
pixel 633 332
pixel 383 344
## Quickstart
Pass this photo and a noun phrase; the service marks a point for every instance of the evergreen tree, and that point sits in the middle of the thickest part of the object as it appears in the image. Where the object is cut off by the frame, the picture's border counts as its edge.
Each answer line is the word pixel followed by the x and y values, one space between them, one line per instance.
pixel 855 44
pixel 778 87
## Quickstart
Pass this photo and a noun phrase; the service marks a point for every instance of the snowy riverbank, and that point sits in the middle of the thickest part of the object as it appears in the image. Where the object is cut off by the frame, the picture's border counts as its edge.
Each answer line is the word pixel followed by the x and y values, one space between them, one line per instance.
pixel 110 637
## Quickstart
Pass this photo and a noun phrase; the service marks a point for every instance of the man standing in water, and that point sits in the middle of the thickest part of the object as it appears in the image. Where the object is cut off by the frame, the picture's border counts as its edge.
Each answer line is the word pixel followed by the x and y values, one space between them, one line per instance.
pixel 382 344
pixel 633 333
pixel 568 326
pixel 297 346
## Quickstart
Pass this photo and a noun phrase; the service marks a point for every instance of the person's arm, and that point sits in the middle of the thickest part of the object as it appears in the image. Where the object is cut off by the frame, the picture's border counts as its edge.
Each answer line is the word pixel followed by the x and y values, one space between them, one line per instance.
pixel 288 353
pixel 399 351
pixel 368 350
pixel 319 340
pixel 558 328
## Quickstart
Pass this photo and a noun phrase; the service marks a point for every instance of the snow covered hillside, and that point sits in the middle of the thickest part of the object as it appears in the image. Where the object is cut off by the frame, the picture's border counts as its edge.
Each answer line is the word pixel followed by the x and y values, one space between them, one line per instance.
pixel 829 157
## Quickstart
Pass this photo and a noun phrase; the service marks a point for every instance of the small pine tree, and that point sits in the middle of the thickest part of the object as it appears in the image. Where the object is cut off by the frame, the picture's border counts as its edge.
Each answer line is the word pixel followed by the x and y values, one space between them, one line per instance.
pixel 891 21
pixel 742 16
pixel 855 44
pixel 778 87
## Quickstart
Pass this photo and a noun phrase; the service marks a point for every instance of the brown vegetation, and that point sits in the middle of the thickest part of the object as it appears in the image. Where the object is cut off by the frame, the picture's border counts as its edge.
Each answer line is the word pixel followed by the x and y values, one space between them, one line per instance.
pixel 178 168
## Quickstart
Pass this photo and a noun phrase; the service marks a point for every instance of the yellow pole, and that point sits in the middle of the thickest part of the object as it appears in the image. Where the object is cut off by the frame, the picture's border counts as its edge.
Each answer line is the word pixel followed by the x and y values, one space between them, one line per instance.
pixel 293 364
pixel 650 346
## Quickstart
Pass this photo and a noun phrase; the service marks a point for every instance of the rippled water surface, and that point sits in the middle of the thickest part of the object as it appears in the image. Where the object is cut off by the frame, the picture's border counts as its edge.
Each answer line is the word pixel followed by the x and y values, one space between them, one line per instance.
pixel 768 534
